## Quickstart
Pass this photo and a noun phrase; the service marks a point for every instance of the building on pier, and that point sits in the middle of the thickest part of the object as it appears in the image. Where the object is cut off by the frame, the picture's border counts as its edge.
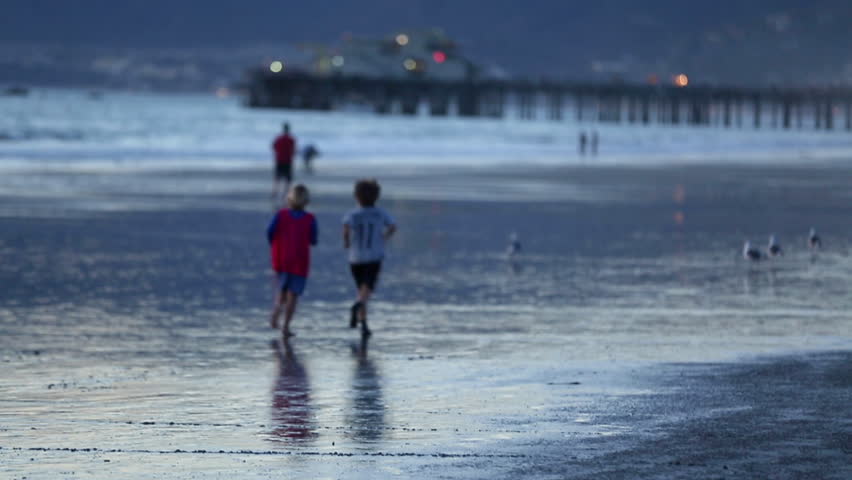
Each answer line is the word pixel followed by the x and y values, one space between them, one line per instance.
pixel 412 54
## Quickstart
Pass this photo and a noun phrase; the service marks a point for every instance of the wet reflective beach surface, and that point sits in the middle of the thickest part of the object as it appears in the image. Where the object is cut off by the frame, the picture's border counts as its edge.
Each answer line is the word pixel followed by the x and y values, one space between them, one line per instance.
pixel 135 339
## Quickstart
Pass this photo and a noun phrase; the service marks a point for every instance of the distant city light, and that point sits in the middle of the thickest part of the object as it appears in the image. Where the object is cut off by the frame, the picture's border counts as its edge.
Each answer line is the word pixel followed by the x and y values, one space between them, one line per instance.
pixel 653 79
pixel 402 39
pixel 276 66
pixel 409 64
pixel 681 80
pixel 439 56
pixel 337 61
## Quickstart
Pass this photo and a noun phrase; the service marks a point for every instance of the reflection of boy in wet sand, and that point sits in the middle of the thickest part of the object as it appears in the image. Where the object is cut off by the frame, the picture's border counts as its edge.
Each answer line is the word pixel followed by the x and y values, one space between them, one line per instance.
pixel 367 415
pixel 291 408
pixel 291 234
pixel 365 230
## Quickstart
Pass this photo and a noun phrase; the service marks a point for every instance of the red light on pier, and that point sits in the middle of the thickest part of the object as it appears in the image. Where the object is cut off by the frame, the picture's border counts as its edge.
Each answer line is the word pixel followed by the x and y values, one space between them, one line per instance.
pixel 439 56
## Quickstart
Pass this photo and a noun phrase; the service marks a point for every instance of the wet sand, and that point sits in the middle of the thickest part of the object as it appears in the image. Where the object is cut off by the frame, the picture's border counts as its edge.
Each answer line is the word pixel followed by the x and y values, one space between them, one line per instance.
pixel 627 340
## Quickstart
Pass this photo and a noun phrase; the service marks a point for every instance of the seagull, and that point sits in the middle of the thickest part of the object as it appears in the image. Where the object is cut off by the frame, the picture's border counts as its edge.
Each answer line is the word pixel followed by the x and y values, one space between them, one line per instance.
pixel 752 254
pixel 814 242
pixel 514 247
pixel 773 249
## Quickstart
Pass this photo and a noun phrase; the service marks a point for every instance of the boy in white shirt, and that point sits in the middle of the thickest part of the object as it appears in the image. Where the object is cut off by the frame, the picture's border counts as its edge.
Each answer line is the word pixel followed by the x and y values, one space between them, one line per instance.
pixel 365 230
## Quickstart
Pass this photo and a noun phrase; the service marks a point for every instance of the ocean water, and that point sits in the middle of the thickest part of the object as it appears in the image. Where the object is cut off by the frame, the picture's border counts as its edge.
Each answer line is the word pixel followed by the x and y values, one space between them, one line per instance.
pixel 58 143
pixel 54 128
pixel 135 287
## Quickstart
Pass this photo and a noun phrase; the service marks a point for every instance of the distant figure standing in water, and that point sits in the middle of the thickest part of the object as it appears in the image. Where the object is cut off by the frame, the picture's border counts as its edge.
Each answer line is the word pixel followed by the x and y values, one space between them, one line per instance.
pixel 594 143
pixel 291 234
pixel 583 140
pixel 284 147
pixel 514 247
pixel 365 230
pixel 309 153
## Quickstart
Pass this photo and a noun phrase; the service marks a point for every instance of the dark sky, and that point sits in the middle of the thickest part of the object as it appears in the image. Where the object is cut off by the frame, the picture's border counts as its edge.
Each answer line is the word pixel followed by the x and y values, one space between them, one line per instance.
pixel 527 36
pixel 195 22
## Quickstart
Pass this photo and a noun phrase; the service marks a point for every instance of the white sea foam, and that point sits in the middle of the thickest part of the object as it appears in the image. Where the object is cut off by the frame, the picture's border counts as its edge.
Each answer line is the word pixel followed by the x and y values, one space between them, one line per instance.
pixel 121 131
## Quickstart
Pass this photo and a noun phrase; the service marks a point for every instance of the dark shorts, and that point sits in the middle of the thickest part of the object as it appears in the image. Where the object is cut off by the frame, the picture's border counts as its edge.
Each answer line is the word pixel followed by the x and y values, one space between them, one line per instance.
pixel 366 273
pixel 293 283
pixel 284 170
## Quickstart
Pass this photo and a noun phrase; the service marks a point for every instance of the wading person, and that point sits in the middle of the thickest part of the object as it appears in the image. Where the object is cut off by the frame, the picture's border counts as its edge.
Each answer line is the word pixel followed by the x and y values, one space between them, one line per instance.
pixel 284 147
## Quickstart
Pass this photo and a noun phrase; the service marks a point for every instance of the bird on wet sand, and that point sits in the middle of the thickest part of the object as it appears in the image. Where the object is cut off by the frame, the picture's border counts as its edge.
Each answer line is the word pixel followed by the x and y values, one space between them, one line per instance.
pixel 814 242
pixel 774 248
pixel 751 253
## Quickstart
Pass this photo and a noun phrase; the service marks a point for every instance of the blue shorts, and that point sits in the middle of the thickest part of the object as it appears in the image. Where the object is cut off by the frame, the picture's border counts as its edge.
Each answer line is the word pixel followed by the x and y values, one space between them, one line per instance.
pixel 294 283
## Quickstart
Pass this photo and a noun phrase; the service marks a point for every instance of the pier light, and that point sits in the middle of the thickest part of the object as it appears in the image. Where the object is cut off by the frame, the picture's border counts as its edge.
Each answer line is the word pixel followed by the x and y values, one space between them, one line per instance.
pixel 439 56
pixel 402 39
pixel 337 61
pixel 681 80
pixel 410 64
pixel 276 66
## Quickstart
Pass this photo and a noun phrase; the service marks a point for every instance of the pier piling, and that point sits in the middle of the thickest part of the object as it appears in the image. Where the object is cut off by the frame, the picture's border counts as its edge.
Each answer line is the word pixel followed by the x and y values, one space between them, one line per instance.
pixel 613 103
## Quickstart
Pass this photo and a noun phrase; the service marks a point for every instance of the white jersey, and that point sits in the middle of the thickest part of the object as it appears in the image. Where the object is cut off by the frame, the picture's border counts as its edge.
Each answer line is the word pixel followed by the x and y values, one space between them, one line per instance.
pixel 366 233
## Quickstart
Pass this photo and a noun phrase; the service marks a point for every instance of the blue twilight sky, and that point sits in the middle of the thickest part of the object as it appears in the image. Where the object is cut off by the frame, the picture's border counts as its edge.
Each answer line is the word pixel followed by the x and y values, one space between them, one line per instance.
pixel 776 40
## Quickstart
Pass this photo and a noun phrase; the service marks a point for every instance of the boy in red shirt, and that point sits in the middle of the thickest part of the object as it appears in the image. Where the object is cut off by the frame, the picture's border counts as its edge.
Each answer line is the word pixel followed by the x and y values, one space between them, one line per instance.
pixel 291 234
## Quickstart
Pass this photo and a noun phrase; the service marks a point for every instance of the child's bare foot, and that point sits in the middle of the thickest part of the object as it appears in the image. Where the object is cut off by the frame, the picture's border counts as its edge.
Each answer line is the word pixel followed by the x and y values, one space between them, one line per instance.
pixel 365 331
pixel 288 334
pixel 273 321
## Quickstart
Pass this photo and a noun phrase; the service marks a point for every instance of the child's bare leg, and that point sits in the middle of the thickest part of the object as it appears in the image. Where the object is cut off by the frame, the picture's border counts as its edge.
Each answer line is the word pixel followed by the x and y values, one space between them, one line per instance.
pixel 364 293
pixel 276 311
pixel 275 188
pixel 286 190
pixel 289 309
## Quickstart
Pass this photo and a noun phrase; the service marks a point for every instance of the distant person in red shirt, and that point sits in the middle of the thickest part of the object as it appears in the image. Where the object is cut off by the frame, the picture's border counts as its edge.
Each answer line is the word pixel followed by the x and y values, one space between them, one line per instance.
pixel 284 147
pixel 291 234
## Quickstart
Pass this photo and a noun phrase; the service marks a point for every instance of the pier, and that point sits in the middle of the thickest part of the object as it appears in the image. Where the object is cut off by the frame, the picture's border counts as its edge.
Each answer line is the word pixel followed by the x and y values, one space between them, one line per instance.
pixel 731 107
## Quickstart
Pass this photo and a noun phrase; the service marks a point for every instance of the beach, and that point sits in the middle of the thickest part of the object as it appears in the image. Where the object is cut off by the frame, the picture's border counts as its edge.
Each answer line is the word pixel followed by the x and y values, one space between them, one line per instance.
pixel 628 339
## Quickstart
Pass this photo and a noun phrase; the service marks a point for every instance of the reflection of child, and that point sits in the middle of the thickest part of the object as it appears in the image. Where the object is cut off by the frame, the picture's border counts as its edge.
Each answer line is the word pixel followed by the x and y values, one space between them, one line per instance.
pixel 291 234
pixel 365 230
pixel 291 397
